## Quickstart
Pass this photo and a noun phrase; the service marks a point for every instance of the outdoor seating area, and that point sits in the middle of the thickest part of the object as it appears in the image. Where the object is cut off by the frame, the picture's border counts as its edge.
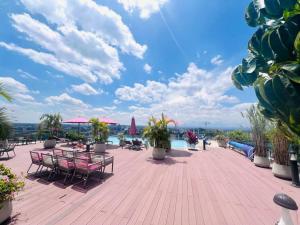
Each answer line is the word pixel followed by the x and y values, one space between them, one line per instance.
pixel 69 163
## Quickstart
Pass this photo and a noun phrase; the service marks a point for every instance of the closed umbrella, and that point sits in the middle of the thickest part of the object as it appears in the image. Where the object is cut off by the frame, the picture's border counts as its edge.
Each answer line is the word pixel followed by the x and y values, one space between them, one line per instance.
pixel 132 130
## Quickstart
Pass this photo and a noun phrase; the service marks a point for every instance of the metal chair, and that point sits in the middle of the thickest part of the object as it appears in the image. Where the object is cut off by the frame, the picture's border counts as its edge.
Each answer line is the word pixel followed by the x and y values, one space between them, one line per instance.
pixel 86 168
pixel 36 159
pixel 49 162
pixel 66 165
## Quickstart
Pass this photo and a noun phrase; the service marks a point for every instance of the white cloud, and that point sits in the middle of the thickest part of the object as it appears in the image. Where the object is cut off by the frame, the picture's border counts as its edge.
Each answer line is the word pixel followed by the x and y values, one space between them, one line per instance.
pixel 65 99
pixel 145 7
pixel 86 89
pixel 192 98
pixel 82 39
pixel 147 68
pixel 26 75
pixel 16 89
pixel 151 92
pixel 217 60
pixel 90 17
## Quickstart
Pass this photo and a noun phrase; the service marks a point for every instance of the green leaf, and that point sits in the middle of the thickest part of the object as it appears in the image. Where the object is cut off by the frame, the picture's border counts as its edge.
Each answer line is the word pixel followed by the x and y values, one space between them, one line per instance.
pixel 273 8
pixel 251 15
pixel 254 45
pixel 286 4
pixel 265 46
pixel 280 51
pixel 297 45
pixel 292 71
pixel 273 100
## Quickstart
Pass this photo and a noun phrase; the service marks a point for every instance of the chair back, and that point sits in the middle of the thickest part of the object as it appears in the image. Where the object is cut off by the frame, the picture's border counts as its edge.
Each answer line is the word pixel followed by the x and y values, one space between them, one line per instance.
pixel 65 163
pixel 68 154
pixel 4 143
pixel 81 164
pixel 35 157
pixel 57 152
pixel 48 160
pixel 85 156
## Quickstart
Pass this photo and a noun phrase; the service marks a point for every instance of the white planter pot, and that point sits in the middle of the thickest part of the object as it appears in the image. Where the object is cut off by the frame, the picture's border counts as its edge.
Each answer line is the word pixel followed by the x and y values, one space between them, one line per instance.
pixel 159 153
pixel 222 144
pixel 100 148
pixel 50 143
pixel 5 211
pixel 261 161
pixel 281 171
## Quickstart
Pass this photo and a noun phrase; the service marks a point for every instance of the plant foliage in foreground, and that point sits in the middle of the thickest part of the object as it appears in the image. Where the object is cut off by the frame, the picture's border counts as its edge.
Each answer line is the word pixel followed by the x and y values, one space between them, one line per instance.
pixel 9 184
pixel 272 65
pixel 259 127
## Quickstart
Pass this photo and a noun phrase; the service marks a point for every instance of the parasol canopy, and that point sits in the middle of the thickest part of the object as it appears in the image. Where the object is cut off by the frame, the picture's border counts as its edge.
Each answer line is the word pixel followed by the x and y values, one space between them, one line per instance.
pixel 107 121
pixel 77 120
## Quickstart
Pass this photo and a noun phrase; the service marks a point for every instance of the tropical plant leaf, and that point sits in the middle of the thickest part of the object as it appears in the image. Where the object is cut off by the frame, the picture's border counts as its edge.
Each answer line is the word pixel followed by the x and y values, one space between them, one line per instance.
pixel 252 15
pixel 291 71
pixel 273 8
pixel 286 4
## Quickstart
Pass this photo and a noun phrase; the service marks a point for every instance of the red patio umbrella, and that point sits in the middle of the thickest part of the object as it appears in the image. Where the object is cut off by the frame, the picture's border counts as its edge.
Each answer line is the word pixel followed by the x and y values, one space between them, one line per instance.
pixel 77 120
pixel 132 130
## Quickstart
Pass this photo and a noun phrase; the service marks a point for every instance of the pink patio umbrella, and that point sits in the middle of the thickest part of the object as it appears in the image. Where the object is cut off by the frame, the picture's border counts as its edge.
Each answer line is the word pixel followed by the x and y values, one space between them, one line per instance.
pixel 77 120
pixel 107 121
pixel 132 130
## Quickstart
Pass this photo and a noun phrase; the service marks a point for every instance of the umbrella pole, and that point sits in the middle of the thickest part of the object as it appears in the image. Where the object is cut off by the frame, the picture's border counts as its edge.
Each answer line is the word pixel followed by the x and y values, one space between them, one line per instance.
pixel 78 128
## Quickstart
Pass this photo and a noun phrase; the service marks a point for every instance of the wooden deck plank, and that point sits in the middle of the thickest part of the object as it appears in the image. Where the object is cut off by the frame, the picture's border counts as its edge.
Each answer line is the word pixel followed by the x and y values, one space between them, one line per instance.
pixel 217 186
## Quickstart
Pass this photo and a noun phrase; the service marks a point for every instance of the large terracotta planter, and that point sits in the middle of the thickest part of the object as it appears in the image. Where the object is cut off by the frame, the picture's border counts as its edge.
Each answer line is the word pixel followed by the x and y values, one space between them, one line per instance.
pixel 222 143
pixel 50 143
pixel 100 148
pixel 5 211
pixel 281 171
pixel 261 161
pixel 158 153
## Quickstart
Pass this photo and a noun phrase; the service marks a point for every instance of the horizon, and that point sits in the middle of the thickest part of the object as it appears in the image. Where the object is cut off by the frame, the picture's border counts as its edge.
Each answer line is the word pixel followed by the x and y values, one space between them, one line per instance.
pixel 144 60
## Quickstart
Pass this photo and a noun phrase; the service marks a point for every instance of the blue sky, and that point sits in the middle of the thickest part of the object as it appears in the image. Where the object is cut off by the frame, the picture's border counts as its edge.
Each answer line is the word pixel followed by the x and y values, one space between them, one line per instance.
pixel 123 58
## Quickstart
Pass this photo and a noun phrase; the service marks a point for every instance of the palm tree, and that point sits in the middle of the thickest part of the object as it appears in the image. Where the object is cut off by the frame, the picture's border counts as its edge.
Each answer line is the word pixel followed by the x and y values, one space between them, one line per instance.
pixel 51 123
pixel 4 93
pixel 157 132
pixel 5 126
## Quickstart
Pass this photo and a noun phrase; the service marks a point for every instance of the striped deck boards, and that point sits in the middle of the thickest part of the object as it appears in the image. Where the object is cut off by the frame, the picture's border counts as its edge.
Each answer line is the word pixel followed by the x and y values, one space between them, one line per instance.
pixel 213 187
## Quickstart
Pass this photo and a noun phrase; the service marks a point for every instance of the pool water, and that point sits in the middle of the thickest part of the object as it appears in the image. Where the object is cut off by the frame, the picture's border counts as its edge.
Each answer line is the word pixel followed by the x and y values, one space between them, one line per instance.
pixel 174 143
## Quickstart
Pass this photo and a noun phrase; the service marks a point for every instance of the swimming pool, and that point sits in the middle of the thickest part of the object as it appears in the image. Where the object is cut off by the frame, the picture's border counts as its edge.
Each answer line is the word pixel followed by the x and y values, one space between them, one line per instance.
pixel 174 143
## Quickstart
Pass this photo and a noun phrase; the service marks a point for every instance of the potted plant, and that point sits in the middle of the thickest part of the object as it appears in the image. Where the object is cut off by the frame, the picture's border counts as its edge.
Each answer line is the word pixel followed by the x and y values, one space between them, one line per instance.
pixel 191 139
pixel 158 135
pixel 121 137
pixel 258 125
pixel 51 123
pixel 100 133
pixel 221 140
pixel 9 185
pixel 280 147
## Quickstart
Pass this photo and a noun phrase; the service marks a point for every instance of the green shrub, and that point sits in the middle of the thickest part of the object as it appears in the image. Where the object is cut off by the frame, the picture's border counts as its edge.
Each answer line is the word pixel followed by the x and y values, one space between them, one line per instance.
pixel 9 184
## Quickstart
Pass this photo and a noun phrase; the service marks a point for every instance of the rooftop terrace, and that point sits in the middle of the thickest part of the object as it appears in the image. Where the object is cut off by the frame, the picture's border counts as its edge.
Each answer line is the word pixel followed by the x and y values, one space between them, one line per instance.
pixel 217 186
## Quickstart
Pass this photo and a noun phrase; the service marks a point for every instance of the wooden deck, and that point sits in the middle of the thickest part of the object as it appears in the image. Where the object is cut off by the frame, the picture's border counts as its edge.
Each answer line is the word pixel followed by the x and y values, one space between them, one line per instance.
pixel 216 186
